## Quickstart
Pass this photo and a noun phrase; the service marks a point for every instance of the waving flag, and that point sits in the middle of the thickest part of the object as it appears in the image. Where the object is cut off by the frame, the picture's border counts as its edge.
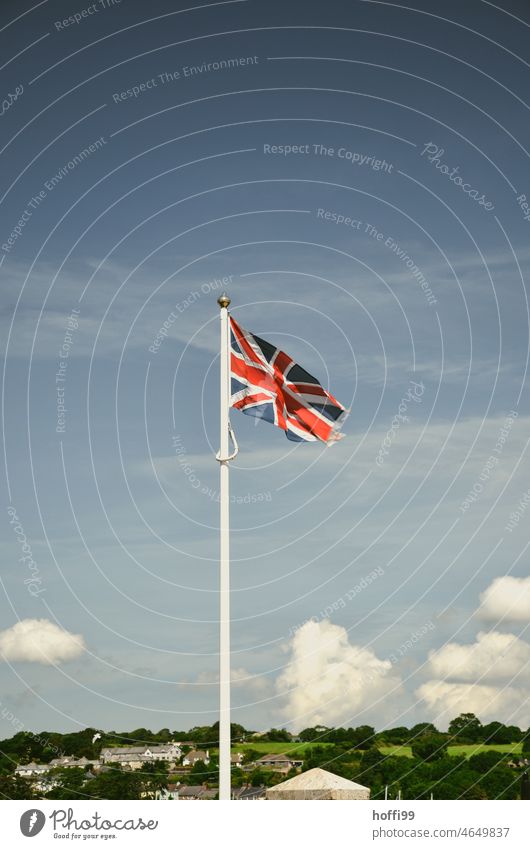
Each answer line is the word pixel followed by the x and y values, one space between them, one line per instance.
pixel 268 384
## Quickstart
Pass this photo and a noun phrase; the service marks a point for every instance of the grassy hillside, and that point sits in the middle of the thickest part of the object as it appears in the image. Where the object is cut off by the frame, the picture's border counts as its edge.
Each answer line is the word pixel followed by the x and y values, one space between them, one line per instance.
pixel 277 748
pixel 467 750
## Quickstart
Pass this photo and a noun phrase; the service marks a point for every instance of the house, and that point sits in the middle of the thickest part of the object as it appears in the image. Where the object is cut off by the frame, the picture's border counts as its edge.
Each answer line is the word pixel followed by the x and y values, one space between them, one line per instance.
pixel 32 770
pixel 134 757
pixel 71 761
pixel 197 755
pixel 169 792
pixel 193 792
pixel 248 793
pixel 44 784
pixel 236 758
pixel 39 771
pixel 279 763
pixel 317 784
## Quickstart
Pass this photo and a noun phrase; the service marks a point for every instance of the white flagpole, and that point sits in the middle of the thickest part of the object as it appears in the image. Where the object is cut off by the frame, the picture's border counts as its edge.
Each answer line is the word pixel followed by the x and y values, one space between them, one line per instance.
pixel 224 560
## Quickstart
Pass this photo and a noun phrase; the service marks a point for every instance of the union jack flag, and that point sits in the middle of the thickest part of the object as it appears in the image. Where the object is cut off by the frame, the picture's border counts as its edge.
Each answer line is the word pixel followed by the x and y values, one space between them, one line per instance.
pixel 268 384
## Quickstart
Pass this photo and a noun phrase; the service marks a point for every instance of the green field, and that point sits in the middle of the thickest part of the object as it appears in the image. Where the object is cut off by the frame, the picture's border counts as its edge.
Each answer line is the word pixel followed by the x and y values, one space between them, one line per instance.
pixel 302 749
pixel 467 751
pixel 277 748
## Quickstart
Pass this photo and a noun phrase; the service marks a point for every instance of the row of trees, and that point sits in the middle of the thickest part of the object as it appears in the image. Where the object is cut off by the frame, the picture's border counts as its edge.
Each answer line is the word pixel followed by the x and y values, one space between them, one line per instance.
pixel 482 776
pixel 72 783
pixel 466 728
pixel 463 729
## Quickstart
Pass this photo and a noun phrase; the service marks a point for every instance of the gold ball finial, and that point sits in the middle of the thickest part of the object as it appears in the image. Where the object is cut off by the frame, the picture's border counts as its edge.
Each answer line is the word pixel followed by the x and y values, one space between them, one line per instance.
pixel 223 300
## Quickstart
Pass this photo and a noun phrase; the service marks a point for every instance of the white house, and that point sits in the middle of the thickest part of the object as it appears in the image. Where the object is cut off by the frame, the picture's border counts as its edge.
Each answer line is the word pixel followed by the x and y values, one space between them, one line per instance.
pixel 135 756
pixel 197 755
pixel 71 761
pixel 32 770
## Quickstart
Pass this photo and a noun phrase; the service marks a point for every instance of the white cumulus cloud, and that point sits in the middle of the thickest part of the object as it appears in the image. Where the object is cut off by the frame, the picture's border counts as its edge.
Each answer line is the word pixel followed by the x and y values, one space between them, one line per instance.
pixel 329 681
pixel 39 641
pixel 493 657
pixel 506 598
pixel 447 699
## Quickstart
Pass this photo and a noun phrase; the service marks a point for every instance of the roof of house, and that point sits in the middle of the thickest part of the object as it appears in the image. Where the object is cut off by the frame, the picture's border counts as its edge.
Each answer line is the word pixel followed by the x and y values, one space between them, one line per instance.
pixel 274 759
pixel 139 750
pixel 249 793
pixel 71 760
pixel 197 790
pixel 319 779
pixel 33 765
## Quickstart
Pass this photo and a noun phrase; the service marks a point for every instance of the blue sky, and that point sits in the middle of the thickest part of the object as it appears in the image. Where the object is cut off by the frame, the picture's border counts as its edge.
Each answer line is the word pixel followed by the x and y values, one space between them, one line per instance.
pixel 181 191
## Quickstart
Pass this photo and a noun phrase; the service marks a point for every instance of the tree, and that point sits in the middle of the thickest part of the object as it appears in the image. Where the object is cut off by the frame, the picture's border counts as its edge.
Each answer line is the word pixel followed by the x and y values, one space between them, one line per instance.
pixel 14 787
pixel 308 735
pixel 68 783
pixel 202 773
pixel 251 755
pixel 371 770
pixel 496 732
pixel 317 756
pixel 257 778
pixel 429 747
pixel 114 784
pixel 421 728
pixel 238 777
pixel 277 735
pixel 482 762
pixel 163 736
pixel 395 736
pixel 141 735
pixel 154 778
pixel 499 782
pixel 361 737
pixel 466 728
